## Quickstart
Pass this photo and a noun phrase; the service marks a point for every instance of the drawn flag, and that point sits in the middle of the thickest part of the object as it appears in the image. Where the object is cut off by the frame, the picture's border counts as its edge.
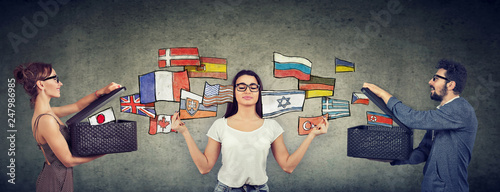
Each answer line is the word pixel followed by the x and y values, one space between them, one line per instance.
pixel 298 67
pixel 217 94
pixel 210 67
pixel 275 103
pixel 191 107
pixel 306 124
pixel 132 104
pixel 335 108
pixel 102 117
pixel 381 119
pixel 160 124
pixel 318 87
pixel 162 86
pixel 343 66
pixel 360 98
pixel 182 56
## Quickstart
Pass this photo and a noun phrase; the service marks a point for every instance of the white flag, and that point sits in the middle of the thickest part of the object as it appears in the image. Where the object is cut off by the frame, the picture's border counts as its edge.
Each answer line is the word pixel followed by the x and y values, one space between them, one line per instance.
pixel 275 103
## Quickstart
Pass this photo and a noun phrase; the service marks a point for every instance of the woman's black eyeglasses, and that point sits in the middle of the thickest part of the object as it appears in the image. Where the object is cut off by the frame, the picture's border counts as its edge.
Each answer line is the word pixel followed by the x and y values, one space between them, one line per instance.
pixel 242 87
pixel 52 77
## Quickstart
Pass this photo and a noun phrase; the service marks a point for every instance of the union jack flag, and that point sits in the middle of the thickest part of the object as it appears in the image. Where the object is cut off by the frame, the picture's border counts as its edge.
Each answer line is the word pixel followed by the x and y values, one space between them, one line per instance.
pixel 132 104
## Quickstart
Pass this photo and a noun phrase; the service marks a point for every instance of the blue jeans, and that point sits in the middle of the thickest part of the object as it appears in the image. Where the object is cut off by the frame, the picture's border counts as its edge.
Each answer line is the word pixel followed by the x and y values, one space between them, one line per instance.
pixel 221 187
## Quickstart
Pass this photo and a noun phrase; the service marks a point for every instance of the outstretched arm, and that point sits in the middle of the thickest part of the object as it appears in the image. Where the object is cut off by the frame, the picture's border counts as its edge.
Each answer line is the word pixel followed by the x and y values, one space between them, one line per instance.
pixel 203 161
pixel 289 162
pixel 83 102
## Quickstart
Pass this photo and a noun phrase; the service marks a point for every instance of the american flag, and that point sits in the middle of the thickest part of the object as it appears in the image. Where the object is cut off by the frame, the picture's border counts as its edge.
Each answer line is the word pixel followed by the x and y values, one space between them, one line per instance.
pixel 132 104
pixel 217 94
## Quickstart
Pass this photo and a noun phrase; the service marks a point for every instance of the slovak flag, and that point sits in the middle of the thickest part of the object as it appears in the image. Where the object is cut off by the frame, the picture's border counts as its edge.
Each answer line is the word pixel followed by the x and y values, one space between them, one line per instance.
pixel 160 124
pixel 102 117
pixel 298 67
pixel 374 118
pixel 360 98
pixel 191 107
pixel 132 104
pixel 275 103
pixel 162 86
pixel 182 56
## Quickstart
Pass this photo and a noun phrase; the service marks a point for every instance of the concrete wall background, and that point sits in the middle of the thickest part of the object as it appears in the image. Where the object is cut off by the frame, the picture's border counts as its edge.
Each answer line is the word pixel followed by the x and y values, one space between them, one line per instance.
pixel 93 43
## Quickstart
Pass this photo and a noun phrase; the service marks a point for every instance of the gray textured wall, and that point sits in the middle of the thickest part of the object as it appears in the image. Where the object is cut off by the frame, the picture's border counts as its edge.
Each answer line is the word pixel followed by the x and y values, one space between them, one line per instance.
pixel 93 43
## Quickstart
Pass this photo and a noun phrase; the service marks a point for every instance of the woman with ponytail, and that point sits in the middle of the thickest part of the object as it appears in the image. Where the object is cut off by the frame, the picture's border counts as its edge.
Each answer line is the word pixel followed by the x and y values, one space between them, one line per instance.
pixel 41 83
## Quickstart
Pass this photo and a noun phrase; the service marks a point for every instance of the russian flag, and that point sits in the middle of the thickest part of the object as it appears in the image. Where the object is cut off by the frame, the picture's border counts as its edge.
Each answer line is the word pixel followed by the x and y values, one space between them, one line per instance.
pixel 162 86
pixel 374 118
pixel 298 67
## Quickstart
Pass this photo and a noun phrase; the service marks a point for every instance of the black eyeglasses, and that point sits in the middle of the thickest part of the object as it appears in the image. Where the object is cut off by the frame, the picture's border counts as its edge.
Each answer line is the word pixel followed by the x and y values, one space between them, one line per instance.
pixel 242 87
pixel 434 78
pixel 52 77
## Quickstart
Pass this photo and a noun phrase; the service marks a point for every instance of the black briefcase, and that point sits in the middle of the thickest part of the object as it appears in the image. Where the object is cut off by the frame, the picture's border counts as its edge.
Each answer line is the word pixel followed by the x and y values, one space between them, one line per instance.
pixel 379 142
pixel 113 137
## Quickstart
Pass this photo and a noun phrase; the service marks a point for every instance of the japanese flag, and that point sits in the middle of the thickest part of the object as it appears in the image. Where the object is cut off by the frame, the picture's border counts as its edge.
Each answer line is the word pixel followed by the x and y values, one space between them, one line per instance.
pixel 102 117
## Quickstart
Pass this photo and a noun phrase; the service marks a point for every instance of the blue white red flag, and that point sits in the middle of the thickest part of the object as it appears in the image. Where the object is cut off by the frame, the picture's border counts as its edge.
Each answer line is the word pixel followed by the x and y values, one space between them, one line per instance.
pixel 162 86
pixel 132 104
pixel 217 94
pixel 381 119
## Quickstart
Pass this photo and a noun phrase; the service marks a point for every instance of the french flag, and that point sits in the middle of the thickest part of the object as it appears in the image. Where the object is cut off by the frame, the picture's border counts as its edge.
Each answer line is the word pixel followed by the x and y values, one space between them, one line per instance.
pixel 298 67
pixel 162 86
pixel 182 56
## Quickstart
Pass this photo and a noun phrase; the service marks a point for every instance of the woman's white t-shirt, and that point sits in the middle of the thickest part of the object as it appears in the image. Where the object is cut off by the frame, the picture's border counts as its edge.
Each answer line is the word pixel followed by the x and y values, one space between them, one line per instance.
pixel 244 154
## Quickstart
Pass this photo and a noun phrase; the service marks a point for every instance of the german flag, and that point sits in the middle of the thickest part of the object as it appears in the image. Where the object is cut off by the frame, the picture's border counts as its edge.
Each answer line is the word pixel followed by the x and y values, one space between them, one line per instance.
pixel 318 87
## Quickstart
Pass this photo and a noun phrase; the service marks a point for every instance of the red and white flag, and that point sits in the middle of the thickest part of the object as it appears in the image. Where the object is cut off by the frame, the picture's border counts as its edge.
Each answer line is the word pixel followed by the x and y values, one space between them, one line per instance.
pixel 160 124
pixel 182 56
pixel 102 117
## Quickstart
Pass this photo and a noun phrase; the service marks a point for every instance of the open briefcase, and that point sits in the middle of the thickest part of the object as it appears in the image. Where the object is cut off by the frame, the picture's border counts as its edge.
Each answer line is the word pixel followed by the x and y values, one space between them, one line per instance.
pixel 379 142
pixel 113 137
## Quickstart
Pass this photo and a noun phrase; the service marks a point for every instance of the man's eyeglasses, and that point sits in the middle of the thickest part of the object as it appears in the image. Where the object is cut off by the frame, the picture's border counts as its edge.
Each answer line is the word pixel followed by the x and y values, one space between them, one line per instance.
pixel 242 87
pixel 434 78
pixel 52 77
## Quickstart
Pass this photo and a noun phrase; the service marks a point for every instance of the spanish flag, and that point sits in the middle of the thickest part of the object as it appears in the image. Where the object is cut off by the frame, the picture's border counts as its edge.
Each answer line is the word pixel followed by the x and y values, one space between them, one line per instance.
pixel 318 87
pixel 210 67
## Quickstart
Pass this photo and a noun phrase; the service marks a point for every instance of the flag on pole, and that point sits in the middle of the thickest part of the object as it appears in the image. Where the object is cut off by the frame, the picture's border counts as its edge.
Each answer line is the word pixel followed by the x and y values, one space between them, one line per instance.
pixel 318 87
pixel 217 94
pixel 298 67
pixel 344 66
pixel 160 124
pixel 210 67
pixel 191 107
pixel 360 98
pixel 275 103
pixel 102 117
pixel 182 56
pixel 335 108
pixel 132 104
pixel 162 86
pixel 381 119
pixel 306 124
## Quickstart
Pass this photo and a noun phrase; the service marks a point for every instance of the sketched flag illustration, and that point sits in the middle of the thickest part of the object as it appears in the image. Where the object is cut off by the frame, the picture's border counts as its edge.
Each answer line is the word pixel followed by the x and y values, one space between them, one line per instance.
pixel 217 94
pixel 210 67
pixel 318 86
pixel 275 103
pixel 191 107
pixel 360 98
pixel 343 66
pixel 306 124
pixel 182 56
pixel 132 104
pixel 298 67
pixel 160 124
pixel 381 119
pixel 102 117
pixel 162 86
pixel 335 108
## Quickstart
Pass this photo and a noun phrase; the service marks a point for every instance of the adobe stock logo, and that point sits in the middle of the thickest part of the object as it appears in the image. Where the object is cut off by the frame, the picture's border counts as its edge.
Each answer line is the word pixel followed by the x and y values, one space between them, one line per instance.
pixel 39 19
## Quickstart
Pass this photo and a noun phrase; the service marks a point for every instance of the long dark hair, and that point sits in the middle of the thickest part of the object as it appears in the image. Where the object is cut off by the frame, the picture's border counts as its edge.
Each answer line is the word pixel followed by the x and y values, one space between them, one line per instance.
pixel 232 108
pixel 29 75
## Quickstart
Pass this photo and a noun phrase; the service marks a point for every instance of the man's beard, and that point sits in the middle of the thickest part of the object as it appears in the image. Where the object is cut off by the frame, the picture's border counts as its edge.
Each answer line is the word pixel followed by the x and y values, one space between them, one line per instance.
pixel 435 96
